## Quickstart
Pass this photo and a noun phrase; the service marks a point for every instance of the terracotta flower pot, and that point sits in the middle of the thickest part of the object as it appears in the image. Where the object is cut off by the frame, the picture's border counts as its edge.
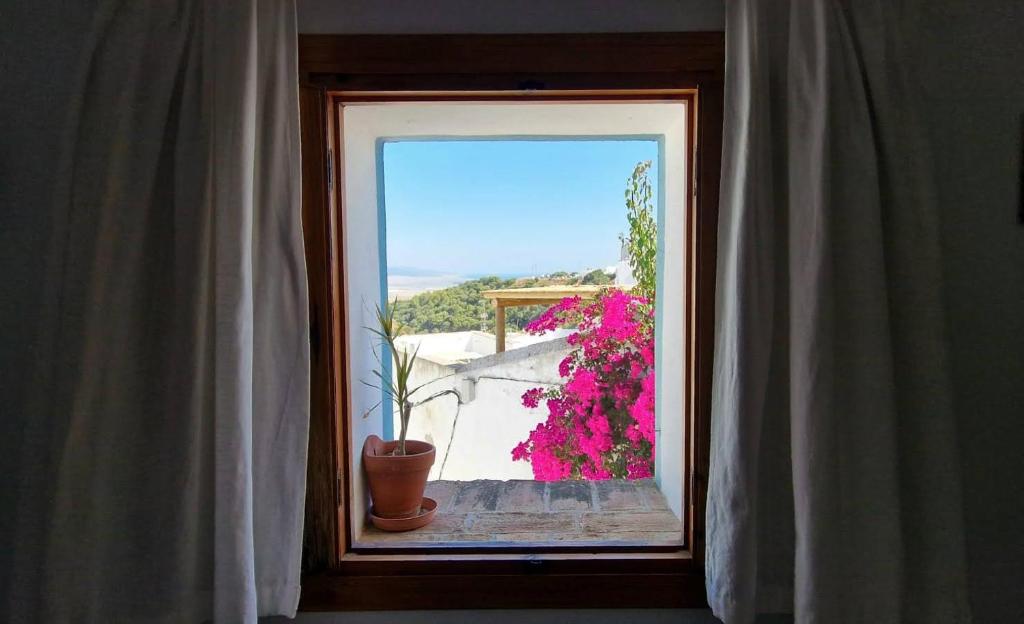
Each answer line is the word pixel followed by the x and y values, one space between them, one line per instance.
pixel 397 482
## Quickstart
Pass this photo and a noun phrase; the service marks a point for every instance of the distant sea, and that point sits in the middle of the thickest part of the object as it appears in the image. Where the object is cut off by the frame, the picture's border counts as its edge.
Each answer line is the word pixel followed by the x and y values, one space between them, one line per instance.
pixel 501 275
pixel 406 282
pixel 407 286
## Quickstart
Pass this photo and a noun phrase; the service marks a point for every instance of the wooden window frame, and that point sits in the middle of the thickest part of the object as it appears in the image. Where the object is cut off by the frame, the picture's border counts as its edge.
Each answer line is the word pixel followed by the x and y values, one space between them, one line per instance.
pixel 545 67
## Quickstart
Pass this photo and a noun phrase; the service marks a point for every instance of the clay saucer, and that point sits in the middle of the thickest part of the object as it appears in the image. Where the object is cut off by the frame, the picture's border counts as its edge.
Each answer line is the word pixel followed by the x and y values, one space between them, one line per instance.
pixel 428 508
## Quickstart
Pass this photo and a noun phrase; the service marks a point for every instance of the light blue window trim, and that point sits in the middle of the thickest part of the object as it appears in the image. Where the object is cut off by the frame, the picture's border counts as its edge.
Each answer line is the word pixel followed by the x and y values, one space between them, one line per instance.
pixel 387 406
pixel 659 287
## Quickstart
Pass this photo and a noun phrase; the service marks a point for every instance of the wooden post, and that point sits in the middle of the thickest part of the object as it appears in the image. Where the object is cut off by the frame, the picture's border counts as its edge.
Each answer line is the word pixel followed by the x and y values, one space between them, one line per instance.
pixel 499 327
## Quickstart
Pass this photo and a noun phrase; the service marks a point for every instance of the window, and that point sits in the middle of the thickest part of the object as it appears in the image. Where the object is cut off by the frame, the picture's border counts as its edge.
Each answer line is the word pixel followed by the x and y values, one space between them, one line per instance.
pixel 625 131
pixel 356 110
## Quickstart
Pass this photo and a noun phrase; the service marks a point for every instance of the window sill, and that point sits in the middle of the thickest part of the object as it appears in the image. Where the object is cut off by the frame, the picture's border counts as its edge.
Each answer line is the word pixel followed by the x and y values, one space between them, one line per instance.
pixel 507 581
pixel 546 545
pixel 489 515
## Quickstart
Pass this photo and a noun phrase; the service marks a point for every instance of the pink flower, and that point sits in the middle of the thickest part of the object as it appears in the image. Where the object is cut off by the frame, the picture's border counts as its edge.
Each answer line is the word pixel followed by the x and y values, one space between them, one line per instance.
pixel 520 451
pixel 584 386
pixel 639 470
pixel 554 316
pixel 595 474
pixel 643 410
pixel 564 366
pixel 648 353
pixel 531 398
pixel 601 420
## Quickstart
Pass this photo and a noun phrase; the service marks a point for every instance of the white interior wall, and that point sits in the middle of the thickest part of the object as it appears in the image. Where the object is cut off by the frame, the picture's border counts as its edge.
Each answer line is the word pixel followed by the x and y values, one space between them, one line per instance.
pixel 367 124
pixel 508 16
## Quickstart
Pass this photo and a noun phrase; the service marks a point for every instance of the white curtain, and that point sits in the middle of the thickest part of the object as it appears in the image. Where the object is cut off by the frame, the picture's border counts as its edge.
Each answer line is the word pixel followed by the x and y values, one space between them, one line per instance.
pixel 162 474
pixel 834 488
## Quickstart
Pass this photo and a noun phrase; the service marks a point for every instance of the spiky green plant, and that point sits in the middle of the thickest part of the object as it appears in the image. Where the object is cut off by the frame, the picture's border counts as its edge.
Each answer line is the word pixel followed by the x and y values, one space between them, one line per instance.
pixel 396 386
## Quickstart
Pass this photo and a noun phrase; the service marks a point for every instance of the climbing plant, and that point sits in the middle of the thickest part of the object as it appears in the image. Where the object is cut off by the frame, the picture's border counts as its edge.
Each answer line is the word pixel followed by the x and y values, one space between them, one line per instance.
pixel 642 241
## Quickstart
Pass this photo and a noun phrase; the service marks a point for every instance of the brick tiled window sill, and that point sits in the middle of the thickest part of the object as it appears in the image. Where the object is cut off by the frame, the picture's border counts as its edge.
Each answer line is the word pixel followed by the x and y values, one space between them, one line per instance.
pixel 564 513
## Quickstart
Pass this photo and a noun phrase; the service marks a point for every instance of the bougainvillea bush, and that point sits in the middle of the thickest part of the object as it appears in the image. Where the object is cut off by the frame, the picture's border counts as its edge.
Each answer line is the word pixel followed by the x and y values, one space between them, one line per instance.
pixel 600 422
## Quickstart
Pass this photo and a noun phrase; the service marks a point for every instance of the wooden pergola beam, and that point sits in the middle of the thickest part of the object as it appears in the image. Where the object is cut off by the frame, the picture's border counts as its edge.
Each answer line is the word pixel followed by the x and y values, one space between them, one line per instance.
pixel 537 295
pixel 499 326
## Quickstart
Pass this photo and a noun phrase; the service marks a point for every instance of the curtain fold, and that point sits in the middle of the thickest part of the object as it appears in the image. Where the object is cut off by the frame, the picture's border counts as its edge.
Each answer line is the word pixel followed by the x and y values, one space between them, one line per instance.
pixel 164 463
pixel 834 488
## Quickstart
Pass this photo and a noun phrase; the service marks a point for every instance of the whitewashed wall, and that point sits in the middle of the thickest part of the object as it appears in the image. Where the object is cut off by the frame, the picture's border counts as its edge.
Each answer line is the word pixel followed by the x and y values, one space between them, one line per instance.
pixel 490 423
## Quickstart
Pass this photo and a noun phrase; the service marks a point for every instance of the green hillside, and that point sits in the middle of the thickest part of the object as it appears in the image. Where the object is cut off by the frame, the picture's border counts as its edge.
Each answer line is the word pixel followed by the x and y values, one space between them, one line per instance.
pixel 463 308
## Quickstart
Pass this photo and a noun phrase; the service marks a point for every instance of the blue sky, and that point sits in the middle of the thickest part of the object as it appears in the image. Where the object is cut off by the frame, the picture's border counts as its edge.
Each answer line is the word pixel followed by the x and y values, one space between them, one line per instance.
pixel 507 207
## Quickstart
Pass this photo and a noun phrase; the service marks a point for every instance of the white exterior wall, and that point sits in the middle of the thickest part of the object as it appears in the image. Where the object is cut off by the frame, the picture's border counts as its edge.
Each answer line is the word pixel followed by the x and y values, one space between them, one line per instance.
pixel 452 348
pixel 492 420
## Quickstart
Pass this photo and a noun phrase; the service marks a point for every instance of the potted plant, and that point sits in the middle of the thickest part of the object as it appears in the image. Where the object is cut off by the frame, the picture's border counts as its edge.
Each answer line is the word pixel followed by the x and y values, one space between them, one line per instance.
pixel 397 470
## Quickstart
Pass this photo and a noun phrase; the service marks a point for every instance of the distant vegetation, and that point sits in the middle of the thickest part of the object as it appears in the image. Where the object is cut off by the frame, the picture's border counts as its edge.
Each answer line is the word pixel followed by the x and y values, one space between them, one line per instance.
pixel 597 278
pixel 463 308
